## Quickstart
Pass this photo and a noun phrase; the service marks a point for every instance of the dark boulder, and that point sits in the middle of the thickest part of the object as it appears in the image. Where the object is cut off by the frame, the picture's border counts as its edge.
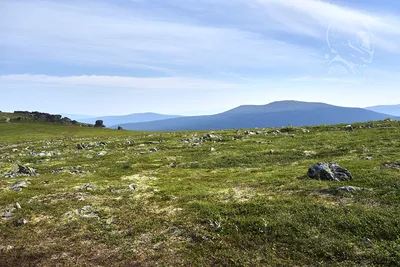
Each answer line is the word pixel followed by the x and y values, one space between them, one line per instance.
pixel 99 123
pixel 330 171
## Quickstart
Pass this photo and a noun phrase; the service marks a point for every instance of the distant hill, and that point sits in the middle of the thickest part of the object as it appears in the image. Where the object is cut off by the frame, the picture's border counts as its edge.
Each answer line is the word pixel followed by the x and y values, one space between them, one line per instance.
pixel 77 117
pixel 393 110
pixel 114 121
pixel 278 106
pixel 275 114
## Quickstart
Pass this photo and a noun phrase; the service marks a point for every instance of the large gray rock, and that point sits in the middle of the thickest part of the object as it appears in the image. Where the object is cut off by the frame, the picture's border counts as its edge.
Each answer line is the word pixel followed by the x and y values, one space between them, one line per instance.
pixel 330 171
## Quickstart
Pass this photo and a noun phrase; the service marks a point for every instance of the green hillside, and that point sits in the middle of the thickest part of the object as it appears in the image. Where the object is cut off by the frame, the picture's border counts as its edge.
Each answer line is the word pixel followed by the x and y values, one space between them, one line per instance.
pixel 221 198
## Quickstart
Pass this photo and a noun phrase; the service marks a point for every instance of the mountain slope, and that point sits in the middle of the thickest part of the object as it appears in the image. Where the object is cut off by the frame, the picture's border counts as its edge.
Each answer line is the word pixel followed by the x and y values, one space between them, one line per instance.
pixel 111 121
pixel 78 117
pixel 393 110
pixel 316 114
pixel 278 106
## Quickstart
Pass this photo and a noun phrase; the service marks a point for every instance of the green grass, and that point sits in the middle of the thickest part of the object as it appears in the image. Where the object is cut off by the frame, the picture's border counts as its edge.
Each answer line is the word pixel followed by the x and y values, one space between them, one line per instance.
pixel 236 206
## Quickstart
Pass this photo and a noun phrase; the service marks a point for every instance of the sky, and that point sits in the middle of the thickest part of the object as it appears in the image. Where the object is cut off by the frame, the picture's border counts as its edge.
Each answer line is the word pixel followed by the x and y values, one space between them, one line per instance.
pixel 190 57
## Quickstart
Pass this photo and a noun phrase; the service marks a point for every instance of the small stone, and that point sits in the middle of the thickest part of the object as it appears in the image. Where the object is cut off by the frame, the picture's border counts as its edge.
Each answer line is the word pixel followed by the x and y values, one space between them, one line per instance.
pixel 366 241
pixel 80 146
pixel 102 153
pixel 88 212
pixel 349 189
pixel 18 186
pixel 271 151
pixel 88 187
pixel 7 214
pixel 18 206
pixel 212 149
pixel 132 187
pixel 348 127
pixel 153 150
pixel 367 158
pixel 21 222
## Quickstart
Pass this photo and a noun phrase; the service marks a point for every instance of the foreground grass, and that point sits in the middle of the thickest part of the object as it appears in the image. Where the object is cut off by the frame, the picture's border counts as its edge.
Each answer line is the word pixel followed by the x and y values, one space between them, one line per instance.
pixel 238 205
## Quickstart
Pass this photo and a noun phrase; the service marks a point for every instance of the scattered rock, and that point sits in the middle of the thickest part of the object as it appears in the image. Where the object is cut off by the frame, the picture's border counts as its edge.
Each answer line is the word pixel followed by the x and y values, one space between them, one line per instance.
pixel 212 149
pixel 329 171
pixel 271 151
pixel 76 171
pixel 80 146
pixel 18 206
pixel 305 130
pixel 102 153
pixel 349 127
pixel 18 186
pixel 367 158
pixel 153 150
pixel 366 241
pixel 276 132
pixel 308 153
pixel 88 187
pixel 7 213
pixel 21 222
pixel 132 187
pixel 249 133
pixel 22 171
pixel 395 165
pixel 88 212
pixel 349 189
pixel 57 170
pixel 6 248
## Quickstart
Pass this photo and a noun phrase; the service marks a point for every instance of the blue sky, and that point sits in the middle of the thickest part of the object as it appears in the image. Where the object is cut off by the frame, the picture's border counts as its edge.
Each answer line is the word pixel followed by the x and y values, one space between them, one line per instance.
pixel 195 56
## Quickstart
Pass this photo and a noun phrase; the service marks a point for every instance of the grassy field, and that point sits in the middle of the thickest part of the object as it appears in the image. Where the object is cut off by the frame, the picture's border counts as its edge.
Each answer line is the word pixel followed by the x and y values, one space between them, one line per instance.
pixel 225 201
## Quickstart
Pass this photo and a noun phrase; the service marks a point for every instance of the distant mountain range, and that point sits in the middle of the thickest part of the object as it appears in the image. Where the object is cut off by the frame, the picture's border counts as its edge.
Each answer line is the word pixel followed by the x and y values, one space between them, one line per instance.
pixel 393 110
pixel 276 114
pixel 77 117
pixel 114 121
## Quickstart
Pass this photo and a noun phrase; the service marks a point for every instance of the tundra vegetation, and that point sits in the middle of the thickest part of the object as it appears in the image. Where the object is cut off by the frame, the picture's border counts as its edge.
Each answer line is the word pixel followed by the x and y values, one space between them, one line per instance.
pixel 88 196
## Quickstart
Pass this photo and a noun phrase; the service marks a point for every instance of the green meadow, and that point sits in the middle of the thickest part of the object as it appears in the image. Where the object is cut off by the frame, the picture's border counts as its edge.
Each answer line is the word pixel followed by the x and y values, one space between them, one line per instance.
pixel 206 198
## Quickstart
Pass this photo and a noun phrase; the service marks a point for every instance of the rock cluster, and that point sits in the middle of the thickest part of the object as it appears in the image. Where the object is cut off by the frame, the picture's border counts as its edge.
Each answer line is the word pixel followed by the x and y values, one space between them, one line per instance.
pixel 41 116
pixel 22 171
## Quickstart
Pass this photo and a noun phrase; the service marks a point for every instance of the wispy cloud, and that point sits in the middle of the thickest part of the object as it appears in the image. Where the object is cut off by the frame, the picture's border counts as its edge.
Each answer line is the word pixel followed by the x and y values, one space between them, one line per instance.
pixel 218 51
pixel 91 33
pixel 112 83
pixel 313 17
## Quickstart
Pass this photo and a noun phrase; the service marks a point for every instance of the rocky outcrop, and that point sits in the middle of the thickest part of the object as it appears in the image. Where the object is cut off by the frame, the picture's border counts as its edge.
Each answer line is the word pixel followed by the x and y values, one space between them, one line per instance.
pixel 22 171
pixel 45 117
pixel 99 123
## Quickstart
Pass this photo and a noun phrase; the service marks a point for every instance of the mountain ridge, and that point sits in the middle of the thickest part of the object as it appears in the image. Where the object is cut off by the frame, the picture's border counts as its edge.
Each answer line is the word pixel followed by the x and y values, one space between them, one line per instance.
pixel 113 121
pixel 393 110
pixel 275 114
